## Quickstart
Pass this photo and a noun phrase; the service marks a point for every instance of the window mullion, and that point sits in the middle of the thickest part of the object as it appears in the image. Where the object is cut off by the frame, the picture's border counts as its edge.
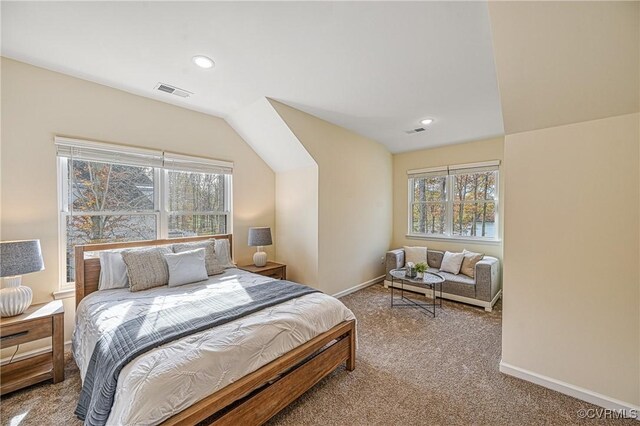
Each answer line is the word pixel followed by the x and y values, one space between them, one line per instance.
pixel 228 202
pixel 496 196
pixel 197 212
pixel 410 207
pixel 163 199
pixel 449 206
pixel 111 213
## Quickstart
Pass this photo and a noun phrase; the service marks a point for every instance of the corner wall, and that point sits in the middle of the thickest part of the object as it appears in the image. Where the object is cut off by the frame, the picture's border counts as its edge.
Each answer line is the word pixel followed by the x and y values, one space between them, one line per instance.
pixel 354 200
pixel 571 249
pixel 297 223
pixel 38 104
pixel 472 152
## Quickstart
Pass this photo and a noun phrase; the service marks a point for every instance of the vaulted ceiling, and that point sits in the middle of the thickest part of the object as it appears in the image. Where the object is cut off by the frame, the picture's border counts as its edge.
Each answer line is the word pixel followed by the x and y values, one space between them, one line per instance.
pixel 376 68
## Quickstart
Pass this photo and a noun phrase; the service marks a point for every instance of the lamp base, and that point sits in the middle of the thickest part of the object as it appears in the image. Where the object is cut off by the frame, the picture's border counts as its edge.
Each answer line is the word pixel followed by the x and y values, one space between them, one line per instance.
pixel 260 258
pixel 14 298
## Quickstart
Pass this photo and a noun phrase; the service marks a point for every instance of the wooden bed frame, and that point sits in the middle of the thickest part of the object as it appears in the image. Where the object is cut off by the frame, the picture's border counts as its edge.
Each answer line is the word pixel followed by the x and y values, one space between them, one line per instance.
pixel 258 396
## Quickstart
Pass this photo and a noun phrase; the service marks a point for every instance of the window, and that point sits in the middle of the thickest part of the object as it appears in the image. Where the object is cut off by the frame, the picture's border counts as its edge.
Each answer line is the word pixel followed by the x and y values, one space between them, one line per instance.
pixel 199 195
pixel 109 193
pixel 454 201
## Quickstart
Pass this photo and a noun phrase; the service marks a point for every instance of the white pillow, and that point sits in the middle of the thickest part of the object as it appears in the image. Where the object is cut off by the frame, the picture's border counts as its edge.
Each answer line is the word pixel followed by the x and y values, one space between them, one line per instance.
pixel 223 253
pixel 113 271
pixel 415 254
pixel 451 262
pixel 186 267
pixel 210 258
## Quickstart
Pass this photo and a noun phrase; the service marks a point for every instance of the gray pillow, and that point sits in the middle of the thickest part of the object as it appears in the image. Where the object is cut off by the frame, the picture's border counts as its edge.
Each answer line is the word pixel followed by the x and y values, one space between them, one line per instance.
pixel 210 259
pixel 146 268
pixel 186 267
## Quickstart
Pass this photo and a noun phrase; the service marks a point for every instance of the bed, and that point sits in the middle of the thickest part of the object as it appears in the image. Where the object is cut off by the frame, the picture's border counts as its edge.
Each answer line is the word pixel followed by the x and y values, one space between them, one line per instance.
pixel 240 372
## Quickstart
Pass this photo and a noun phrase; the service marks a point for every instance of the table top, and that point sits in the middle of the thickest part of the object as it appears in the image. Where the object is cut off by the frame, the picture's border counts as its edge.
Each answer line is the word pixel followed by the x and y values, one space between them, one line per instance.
pixel 256 269
pixel 429 277
pixel 35 311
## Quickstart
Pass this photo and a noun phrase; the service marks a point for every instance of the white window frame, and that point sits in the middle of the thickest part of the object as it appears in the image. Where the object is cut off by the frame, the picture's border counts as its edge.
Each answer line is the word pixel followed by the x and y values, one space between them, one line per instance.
pixel 161 198
pixel 449 202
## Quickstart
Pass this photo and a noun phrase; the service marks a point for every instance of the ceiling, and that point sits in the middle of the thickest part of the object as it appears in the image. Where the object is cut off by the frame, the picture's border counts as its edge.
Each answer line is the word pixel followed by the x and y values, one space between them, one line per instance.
pixel 376 68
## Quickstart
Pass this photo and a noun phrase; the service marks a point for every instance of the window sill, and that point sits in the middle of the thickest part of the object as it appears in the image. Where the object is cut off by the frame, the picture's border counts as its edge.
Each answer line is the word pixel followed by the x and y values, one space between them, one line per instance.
pixel 491 242
pixel 65 292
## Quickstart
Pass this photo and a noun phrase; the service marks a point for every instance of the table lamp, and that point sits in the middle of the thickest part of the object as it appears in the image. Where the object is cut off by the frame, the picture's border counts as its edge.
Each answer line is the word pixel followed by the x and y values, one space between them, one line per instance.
pixel 259 237
pixel 16 259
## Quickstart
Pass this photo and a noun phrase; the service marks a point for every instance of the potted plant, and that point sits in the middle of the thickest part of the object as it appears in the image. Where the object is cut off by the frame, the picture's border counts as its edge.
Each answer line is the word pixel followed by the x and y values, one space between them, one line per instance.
pixel 421 268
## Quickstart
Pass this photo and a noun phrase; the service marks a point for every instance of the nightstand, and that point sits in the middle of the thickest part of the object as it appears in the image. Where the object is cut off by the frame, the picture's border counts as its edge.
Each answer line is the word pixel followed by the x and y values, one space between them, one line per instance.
pixel 271 269
pixel 37 322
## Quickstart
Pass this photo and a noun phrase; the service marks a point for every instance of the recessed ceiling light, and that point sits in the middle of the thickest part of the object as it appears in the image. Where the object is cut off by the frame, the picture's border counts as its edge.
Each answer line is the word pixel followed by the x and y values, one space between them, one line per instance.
pixel 427 121
pixel 203 61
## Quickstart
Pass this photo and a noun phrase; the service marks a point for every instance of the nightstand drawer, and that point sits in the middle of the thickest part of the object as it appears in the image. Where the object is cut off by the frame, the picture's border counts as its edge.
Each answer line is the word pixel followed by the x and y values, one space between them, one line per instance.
pixel 275 270
pixel 27 331
pixel 277 274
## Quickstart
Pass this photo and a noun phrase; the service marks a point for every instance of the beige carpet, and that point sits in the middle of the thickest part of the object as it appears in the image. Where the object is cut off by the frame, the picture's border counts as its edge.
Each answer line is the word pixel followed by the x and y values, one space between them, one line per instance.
pixel 412 370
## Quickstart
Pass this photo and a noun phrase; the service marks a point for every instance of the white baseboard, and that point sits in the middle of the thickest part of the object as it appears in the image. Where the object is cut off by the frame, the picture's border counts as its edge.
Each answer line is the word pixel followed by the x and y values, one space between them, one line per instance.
pixel 359 287
pixel 571 390
pixel 32 352
pixel 488 306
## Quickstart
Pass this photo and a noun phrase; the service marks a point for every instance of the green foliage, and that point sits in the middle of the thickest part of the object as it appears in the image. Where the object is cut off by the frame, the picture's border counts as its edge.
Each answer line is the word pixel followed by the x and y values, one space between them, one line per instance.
pixel 421 267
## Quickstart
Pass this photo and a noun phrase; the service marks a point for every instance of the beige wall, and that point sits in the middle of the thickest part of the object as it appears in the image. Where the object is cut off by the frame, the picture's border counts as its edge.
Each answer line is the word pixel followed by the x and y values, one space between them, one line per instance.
pixel 297 223
pixel 490 149
pixel 571 249
pixel 354 200
pixel 561 62
pixel 38 104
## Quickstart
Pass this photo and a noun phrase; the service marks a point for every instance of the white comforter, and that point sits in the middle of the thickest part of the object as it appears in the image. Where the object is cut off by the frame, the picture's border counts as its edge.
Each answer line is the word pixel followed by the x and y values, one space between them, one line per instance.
pixel 170 378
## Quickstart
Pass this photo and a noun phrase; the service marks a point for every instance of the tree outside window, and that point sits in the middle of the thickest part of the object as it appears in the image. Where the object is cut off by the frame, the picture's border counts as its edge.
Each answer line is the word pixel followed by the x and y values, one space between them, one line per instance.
pixel 460 204
pixel 108 202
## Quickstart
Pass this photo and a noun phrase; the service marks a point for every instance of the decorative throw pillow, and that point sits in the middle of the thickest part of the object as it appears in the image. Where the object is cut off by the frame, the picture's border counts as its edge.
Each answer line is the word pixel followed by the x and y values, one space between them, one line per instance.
pixel 223 253
pixel 210 258
pixel 186 267
pixel 113 271
pixel 451 262
pixel 415 254
pixel 146 268
pixel 469 262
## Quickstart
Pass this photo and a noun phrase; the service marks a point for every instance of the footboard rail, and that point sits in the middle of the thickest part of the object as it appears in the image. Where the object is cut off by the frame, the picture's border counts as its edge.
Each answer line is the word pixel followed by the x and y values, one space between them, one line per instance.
pixel 260 395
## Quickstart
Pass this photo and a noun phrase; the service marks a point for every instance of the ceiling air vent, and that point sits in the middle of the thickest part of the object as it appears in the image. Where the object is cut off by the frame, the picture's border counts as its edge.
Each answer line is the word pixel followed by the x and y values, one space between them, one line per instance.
pixel 173 90
pixel 412 131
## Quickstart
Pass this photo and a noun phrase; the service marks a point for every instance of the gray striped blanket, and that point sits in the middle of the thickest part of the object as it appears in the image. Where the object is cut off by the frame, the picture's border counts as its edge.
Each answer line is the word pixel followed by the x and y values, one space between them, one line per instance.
pixel 139 335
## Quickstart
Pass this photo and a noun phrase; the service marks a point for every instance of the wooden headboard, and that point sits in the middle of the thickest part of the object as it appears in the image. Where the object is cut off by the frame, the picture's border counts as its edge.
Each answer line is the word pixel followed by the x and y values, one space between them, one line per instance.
pixel 88 270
